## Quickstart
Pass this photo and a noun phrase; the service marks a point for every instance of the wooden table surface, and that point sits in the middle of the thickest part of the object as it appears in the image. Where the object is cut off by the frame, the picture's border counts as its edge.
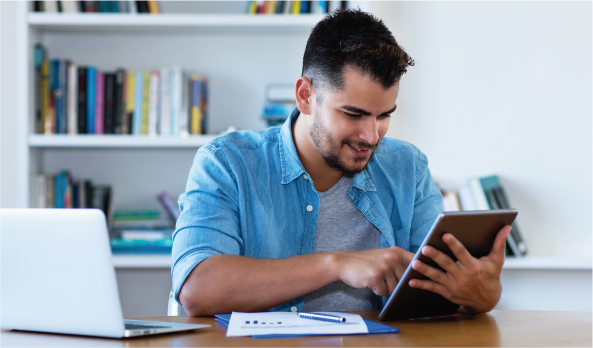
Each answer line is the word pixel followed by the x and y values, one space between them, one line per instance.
pixel 497 328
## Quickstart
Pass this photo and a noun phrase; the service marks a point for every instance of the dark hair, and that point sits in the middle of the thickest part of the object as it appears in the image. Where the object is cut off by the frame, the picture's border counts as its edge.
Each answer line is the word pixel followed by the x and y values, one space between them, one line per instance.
pixel 353 38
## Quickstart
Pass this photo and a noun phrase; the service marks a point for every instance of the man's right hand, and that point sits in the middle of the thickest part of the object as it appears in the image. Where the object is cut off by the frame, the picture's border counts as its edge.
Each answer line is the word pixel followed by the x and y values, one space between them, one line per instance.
pixel 378 269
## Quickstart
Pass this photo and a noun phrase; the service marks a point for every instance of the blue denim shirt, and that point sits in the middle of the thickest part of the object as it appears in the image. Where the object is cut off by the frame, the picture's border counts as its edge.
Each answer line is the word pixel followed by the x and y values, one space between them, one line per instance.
pixel 247 194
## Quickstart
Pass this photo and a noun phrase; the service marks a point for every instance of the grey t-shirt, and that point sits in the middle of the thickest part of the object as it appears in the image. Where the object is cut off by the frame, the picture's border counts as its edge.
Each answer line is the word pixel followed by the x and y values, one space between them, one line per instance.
pixel 340 227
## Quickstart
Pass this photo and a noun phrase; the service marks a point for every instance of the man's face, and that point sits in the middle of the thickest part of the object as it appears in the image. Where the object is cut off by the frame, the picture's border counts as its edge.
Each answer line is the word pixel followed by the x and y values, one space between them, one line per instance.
pixel 348 125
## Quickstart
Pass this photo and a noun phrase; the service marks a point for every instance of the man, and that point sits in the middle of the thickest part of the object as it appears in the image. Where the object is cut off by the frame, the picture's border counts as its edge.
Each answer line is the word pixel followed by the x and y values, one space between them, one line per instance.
pixel 323 213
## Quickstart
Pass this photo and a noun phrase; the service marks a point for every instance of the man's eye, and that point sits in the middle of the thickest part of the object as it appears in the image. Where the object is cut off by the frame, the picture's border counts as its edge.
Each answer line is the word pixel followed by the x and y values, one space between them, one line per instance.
pixel 353 115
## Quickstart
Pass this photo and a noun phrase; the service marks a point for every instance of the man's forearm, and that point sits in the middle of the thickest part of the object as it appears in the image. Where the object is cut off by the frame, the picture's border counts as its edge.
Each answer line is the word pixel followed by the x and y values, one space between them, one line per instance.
pixel 226 283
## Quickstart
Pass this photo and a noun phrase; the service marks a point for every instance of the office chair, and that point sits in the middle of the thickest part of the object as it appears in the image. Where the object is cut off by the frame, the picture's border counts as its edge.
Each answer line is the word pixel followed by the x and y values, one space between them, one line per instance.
pixel 174 308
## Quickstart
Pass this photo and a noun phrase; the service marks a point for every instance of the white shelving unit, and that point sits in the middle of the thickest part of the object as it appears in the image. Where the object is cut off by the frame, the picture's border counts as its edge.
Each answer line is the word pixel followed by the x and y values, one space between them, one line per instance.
pixel 231 49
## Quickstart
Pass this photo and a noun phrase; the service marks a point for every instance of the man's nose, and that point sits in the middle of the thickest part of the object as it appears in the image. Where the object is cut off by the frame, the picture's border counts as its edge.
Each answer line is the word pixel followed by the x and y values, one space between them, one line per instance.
pixel 370 131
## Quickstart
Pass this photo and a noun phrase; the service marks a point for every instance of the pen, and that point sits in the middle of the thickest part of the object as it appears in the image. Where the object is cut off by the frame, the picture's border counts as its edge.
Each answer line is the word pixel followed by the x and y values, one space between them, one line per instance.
pixel 324 317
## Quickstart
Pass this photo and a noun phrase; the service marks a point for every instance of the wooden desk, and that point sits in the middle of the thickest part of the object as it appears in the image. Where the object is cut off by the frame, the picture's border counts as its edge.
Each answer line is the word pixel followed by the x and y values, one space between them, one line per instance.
pixel 497 328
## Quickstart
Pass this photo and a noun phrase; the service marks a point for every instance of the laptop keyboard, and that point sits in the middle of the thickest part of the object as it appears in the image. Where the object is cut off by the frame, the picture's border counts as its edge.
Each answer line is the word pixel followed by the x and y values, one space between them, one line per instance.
pixel 143 327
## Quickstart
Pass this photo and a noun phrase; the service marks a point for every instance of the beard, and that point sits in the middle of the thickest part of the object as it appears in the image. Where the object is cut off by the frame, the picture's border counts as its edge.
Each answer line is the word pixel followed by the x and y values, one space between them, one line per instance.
pixel 329 149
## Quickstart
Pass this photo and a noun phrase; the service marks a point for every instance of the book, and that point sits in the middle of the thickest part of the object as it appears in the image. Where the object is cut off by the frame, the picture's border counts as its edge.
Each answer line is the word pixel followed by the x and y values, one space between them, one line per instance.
pixel 145 106
pixel 176 85
pixel 109 108
pixel 69 6
pixel 72 98
pixel 50 6
pixel 153 103
pixel 130 100
pixel 100 103
pixel 165 104
pixel 82 101
pixel 170 205
pixel 153 7
pixel 138 103
pixel 46 118
pixel 91 76
pixel 54 83
pixel 498 200
pixel 42 191
pixel 466 199
pixel 118 101
pixel 196 107
pixel 39 56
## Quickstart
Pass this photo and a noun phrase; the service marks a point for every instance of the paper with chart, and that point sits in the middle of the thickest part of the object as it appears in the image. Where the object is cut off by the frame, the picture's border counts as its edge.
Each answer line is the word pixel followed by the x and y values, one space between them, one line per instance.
pixel 270 323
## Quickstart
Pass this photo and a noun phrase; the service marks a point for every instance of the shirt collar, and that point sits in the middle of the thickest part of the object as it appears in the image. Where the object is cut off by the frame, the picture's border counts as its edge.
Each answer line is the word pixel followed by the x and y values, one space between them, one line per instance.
pixel 290 162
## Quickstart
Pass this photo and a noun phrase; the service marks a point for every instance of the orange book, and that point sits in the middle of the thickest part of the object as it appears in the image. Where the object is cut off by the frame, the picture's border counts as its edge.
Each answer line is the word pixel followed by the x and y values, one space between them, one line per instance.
pixel 153 7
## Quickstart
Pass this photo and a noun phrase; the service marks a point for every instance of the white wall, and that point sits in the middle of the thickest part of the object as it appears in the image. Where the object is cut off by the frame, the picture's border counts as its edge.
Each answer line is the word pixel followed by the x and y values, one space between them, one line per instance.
pixel 11 147
pixel 504 88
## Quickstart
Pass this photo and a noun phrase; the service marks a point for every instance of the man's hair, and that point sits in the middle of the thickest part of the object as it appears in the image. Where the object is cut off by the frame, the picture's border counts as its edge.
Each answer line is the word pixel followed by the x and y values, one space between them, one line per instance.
pixel 352 38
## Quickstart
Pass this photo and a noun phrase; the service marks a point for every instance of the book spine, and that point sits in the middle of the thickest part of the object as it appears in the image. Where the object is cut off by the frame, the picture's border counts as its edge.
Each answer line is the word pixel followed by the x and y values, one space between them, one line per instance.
pixel 145 105
pixel 109 103
pixel 165 91
pixel 91 93
pixel 72 99
pixel 176 100
pixel 143 6
pixel 45 98
pixel 204 106
pixel 515 233
pixel 138 98
pixel 82 102
pixel 54 83
pixel 196 112
pixel 130 100
pixel 153 7
pixel 39 56
pixel 478 194
pixel 153 104
pixel 125 120
pixel 41 191
pixel 51 187
pixel 132 8
pixel 64 93
pixel 185 106
pixel 100 103
pixel 118 101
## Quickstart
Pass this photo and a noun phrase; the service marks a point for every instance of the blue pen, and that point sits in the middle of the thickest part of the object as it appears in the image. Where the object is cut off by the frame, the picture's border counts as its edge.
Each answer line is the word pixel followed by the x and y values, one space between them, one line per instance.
pixel 324 317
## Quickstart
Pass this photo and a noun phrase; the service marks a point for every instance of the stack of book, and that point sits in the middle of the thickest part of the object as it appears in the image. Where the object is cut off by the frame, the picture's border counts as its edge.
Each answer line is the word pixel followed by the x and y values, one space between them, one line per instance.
pixel 279 102
pixel 64 191
pixel 95 6
pixel 141 231
pixel 77 99
pixel 294 7
pixel 485 193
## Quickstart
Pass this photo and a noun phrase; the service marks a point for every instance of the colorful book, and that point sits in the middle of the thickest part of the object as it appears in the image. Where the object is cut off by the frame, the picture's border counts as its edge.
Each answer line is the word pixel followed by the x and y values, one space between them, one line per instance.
pixel 45 98
pixel 54 82
pixel 153 7
pixel 196 111
pixel 145 105
pixel 91 75
pixel 138 103
pixel 100 103
pixel 39 56
pixel 72 98
pixel 130 98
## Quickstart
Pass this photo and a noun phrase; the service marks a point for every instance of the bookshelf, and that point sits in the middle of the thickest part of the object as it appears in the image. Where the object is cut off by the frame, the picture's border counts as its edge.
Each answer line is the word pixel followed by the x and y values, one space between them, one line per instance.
pixel 239 53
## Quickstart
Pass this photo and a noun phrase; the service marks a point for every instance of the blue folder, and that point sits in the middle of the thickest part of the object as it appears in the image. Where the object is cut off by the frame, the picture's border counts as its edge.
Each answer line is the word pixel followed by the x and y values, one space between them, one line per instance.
pixel 373 327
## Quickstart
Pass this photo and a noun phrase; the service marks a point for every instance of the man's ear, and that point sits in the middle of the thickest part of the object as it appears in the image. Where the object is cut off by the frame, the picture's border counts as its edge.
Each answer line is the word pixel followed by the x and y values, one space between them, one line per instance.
pixel 304 94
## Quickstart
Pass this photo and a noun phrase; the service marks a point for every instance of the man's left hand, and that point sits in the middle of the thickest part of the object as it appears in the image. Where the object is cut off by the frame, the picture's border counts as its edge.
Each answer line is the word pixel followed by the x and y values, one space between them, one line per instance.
pixel 472 283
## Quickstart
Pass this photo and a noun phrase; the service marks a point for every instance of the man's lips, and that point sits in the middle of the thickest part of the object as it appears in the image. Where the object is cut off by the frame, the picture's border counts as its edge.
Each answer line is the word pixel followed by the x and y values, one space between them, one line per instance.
pixel 359 152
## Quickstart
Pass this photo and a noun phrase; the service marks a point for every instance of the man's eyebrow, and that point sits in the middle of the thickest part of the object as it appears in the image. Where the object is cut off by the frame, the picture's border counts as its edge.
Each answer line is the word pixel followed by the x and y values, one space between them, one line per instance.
pixel 364 112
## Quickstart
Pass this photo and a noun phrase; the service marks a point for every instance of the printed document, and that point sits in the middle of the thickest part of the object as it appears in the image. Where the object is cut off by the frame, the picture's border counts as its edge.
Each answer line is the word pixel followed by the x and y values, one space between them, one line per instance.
pixel 269 323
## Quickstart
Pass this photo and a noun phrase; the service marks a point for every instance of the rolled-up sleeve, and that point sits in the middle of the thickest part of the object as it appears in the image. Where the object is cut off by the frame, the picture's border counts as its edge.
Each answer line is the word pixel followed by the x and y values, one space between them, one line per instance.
pixel 209 222
pixel 428 203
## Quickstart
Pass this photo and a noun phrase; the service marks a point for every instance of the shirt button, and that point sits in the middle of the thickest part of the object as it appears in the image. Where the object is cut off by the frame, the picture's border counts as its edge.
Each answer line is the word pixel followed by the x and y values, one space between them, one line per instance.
pixel 293 309
pixel 305 176
pixel 309 208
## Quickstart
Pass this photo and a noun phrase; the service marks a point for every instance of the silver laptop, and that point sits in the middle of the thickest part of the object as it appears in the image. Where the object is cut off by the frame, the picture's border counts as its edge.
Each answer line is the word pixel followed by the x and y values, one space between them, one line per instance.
pixel 58 276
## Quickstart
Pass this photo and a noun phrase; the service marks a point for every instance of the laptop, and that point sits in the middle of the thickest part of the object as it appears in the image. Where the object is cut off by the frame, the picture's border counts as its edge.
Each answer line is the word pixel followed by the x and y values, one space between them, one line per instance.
pixel 58 276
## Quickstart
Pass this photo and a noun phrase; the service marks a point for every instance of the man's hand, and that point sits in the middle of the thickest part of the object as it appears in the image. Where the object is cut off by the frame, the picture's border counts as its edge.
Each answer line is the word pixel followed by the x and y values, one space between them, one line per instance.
pixel 472 283
pixel 376 269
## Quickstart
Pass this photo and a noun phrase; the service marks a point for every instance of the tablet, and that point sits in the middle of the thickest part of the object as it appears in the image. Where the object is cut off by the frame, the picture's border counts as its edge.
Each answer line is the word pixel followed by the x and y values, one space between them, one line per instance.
pixel 476 230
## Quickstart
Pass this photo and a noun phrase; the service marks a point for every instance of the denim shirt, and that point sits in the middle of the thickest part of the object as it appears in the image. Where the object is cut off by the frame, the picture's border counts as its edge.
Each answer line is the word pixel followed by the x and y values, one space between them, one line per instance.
pixel 248 194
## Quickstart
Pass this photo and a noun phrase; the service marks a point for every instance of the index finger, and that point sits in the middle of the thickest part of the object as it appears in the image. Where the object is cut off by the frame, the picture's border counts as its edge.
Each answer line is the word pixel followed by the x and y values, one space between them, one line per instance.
pixel 457 249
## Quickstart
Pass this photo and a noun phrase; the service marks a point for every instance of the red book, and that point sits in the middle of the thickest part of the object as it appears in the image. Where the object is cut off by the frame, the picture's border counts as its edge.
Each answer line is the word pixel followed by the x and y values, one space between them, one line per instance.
pixel 99 103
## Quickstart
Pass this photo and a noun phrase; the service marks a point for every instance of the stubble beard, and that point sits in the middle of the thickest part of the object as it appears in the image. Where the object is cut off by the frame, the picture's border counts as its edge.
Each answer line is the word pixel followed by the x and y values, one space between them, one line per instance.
pixel 330 151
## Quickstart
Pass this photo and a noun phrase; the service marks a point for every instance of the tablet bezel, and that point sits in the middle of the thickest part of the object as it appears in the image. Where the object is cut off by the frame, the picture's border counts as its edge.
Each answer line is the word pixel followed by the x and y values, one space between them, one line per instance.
pixel 476 230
